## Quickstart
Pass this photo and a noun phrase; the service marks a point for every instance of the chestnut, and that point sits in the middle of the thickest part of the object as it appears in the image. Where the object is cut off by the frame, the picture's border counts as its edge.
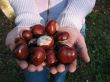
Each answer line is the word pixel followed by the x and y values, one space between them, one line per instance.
pixel 67 54
pixel 19 41
pixel 58 45
pixel 62 36
pixel 22 51
pixel 38 30
pixel 45 41
pixel 52 27
pixel 38 56
pixel 51 58
pixel 27 35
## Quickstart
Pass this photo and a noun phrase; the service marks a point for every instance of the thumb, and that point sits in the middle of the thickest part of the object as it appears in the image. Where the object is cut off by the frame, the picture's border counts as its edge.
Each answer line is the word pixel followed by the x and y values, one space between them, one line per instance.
pixel 10 41
pixel 81 45
pixel 23 64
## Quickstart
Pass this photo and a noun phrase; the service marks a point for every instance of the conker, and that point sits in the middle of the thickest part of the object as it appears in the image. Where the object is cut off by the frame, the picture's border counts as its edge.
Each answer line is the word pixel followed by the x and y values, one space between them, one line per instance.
pixel 21 52
pixel 41 44
pixel 38 30
pixel 45 41
pixel 19 41
pixel 52 27
pixel 27 35
pixel 39 56
pixel 67 54
pixel 62 36
pixel 51 58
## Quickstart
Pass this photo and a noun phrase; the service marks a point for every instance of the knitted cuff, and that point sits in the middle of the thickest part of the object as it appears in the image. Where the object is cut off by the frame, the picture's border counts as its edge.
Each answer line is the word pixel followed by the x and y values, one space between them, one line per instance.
pixel 27 14
pixel 75 12
pixel 69 20
pixel 28 20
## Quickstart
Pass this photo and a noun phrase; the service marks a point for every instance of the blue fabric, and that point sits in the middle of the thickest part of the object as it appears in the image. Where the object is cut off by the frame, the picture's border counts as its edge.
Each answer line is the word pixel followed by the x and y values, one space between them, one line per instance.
pixel 83 30
pixel 43 75
pixel 36 76
pixel 60 77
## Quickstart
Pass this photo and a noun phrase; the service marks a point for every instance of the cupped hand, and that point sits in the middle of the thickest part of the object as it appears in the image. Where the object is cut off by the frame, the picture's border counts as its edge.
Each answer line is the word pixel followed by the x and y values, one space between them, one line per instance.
pixel 30 67
pixel 77 39
pixel 10 43
pixel 12 35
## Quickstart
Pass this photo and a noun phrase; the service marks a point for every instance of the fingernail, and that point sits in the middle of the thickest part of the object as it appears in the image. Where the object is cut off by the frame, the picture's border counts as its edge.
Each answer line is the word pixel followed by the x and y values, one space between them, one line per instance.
pixel 61 68
pixel 32 68
pixel 53 70
pixel 39 69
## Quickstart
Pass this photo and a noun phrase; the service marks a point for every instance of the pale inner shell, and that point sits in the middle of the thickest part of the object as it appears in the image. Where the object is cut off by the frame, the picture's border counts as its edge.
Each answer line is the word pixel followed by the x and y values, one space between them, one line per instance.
pixel 44 40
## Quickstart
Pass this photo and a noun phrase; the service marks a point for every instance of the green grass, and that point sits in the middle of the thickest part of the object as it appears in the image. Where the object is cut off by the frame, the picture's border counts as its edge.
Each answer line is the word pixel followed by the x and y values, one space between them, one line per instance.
pixel 98 43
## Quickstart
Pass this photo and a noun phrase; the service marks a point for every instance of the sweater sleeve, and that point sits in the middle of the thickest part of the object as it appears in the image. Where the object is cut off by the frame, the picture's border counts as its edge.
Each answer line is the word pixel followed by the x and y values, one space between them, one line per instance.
pixel 75 12
pixel 26 12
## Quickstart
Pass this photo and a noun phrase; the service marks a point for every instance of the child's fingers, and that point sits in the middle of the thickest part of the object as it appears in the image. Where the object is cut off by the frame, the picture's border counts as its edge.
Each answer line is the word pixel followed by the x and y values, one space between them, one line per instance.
pixel 53 70
pixel 23 64
pixel 73 35
pixel 11 46
pixel 61 68
pixel 12 35
pixel 83 49
pixel 43 64
pixel 31 68
pixel 39 68
pixel 10 40
pixel 72 67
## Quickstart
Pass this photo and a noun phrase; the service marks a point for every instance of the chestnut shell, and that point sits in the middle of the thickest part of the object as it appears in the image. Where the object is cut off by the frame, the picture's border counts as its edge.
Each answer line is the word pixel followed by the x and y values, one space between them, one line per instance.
pixel 67 54
pixel 51 58
pixel 62 36
pixel 47 46
pixel 52 27
pixel 39 56
pixel 38 30
pixel 19 41
pixel 27 35
pixel 21 51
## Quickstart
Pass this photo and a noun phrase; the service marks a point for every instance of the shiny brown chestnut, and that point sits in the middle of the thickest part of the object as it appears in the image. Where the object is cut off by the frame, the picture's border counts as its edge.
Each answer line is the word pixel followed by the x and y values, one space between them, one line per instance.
pixel 45 41
pixel 19 41
pixel 62 36
pixel 38 30
pixel 51 58
pixel 22 51
pixel 67 54
pixel 38 56
pixel 52 27
pixel 27 35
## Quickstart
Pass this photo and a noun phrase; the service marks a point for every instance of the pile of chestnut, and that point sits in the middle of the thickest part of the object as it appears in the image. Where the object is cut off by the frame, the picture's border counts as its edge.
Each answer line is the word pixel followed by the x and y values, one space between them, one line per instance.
pixel 44 44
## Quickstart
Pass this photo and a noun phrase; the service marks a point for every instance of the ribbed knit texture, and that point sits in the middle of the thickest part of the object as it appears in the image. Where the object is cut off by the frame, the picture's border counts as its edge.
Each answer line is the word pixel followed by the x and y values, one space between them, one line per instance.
pixel 68 13
pixel 27 14
pixel 75 12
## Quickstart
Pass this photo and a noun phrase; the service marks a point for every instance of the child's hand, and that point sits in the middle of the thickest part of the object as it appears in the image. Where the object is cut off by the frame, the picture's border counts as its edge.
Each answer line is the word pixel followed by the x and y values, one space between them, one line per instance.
pixel 10 43
pixel 12 35
pixel 77 39
pixel 30 67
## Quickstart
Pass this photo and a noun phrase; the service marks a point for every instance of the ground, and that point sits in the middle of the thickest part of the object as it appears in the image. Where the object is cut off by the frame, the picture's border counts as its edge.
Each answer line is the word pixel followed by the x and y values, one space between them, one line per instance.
pixel 98 43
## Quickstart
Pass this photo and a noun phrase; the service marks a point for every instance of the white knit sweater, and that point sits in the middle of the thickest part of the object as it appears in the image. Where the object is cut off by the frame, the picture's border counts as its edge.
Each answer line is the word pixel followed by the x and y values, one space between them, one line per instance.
pixel 67 12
